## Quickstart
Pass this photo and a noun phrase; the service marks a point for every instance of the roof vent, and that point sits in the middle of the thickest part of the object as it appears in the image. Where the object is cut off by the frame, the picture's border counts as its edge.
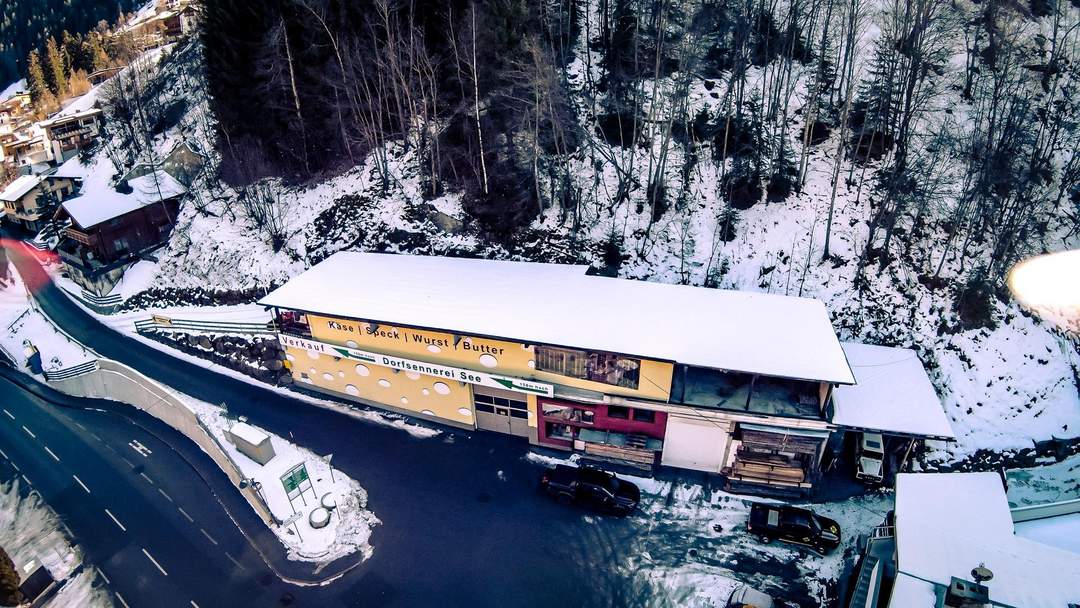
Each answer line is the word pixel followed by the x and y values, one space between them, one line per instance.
pixel 966 594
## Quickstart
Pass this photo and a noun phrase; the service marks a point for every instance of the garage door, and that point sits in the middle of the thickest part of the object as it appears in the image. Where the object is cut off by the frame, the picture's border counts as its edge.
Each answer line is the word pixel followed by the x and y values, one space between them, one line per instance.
pixel 502 411
pixel 693 443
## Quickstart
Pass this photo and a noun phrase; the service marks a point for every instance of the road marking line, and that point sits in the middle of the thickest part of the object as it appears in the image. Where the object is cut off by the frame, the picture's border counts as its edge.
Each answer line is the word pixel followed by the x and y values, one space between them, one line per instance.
pixel 79 425
pixel 208 537
pixel 167 497
pixel 144 476
pixel 81 483
pixel 115 521
pixel 26 480
pixel 140 448
pixel 185 514
pixel 52 453
pixel 233 560
pixel 102 573
pixel 5 455
pixel 194 604
pixel 95 436
pixel 107 446
pixel 15 465
pixel 129 463
pixel 151 558
pixel 29 432
pixel 121 598
pixel 9 414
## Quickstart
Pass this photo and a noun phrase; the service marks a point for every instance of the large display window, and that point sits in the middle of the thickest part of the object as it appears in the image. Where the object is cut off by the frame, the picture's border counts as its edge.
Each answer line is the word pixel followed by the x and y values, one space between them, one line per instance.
pixel 606 368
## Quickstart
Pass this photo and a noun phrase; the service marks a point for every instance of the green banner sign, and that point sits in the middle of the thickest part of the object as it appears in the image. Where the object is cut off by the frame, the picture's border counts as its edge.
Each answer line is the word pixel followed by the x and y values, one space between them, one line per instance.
pixel 295 476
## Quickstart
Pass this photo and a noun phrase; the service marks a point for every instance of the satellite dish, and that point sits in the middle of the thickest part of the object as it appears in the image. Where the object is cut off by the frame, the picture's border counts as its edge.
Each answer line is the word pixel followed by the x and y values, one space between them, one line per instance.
pixel 981 573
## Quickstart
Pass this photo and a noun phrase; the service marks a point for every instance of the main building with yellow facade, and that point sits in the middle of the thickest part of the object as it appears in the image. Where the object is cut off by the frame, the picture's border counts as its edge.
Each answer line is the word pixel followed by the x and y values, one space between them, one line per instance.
pixel 721 381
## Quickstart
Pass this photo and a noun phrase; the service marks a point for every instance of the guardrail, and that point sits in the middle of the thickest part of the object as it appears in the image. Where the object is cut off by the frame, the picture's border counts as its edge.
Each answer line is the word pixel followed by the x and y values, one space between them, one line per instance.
pixel 882 531
pixel 113 299
pixel 71 372
pixel 7 355
pixel 1042 511
pixel 18 318
pixel 192 325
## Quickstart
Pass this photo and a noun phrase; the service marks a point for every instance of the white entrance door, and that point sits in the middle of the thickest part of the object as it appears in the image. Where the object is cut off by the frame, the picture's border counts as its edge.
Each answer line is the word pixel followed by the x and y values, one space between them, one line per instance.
pixel 694 443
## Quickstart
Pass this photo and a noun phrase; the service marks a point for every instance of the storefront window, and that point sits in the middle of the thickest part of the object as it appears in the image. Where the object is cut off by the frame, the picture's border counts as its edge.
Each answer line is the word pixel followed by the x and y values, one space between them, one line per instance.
pixel 559 431
pixel 648 416
pixel 607 368
pixel 616 411
pixel 569 414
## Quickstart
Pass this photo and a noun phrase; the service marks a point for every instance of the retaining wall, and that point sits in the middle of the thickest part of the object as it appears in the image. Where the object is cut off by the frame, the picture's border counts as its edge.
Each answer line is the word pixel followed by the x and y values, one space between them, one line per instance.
pixel 118 382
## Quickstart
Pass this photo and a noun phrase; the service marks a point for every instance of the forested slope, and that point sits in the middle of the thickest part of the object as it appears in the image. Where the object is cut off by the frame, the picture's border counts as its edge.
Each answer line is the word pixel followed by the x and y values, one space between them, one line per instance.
pixel 26 25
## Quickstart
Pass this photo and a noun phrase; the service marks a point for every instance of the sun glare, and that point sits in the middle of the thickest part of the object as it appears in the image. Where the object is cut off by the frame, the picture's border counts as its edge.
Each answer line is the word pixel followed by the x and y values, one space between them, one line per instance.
pixel 1049 286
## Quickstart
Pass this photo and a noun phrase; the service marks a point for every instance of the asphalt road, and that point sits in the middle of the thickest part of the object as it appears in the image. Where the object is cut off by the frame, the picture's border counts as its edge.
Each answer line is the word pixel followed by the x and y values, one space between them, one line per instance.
pixel 143 515
pixel 463 522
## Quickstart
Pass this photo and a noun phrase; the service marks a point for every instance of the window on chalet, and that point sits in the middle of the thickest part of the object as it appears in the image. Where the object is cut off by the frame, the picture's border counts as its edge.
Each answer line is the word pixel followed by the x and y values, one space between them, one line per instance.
pixel 608 368
pixel 647 416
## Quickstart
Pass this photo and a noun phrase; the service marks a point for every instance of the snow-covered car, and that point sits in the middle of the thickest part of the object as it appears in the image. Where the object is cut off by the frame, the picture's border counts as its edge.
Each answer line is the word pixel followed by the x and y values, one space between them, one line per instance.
pixel 870 463
pixel 747 597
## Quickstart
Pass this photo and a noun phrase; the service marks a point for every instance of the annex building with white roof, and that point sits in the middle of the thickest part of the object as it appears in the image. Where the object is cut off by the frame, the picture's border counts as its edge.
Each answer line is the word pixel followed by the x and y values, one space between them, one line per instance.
pixel 744 384
pixel 954 541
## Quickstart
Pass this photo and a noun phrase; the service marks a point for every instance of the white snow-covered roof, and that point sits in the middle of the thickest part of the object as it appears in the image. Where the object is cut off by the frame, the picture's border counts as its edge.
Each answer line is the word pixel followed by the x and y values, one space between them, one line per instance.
pixel 892 394
pixel 949 523
pixel 104 204
pixel 10 90
pixel 18 188
pixel 72 169
pixel 1062 531
pixel 248 433
pixel 148 187
pixel 68 116
pixel 560 305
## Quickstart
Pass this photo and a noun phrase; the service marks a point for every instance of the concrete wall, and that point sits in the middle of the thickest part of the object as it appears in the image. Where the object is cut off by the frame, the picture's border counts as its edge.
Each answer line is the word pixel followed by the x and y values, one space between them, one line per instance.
pixel 118 382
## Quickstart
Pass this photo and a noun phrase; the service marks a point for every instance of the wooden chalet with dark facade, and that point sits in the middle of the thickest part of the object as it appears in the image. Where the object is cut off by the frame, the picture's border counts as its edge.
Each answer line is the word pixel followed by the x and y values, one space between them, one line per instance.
pixel 107 232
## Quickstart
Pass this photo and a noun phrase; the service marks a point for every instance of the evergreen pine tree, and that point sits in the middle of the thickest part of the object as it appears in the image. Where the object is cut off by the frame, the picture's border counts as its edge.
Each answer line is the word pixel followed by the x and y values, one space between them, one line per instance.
pixel 40 94
pixel 55 72
pixel 98 58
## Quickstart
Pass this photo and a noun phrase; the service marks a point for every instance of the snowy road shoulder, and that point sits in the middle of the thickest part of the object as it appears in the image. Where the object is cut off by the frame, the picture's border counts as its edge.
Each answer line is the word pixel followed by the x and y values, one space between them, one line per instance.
pixel 32 534
pixel 350 524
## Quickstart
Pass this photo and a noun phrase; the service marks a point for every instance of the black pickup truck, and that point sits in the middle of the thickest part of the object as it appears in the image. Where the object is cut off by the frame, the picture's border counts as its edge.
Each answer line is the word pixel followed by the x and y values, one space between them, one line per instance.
pixel 793 525
pixel 591 488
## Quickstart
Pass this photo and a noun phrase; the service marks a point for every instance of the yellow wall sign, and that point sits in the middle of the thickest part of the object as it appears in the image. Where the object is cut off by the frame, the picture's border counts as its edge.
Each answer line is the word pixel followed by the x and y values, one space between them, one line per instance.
pixel 429 369
pixel 506 357
pixel 162 320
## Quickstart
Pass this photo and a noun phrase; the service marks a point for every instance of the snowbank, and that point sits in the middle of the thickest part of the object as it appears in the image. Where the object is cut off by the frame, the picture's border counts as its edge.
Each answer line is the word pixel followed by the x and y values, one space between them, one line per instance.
pixel 350 524
pixel 31 532
pixel 20 321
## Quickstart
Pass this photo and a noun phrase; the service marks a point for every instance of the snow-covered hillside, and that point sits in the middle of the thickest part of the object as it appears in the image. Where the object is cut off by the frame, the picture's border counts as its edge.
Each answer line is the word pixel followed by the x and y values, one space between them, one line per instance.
pixel 1003 387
